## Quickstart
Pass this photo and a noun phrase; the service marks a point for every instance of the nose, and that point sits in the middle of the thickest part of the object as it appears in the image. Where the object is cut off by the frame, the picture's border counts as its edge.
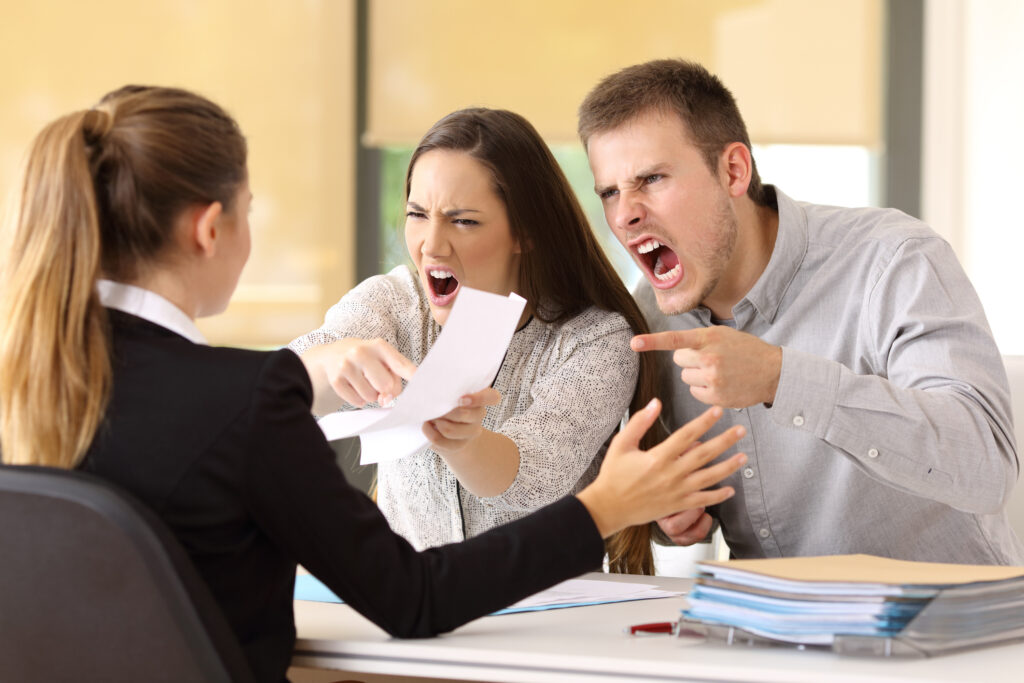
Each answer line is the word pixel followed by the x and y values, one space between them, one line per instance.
pixel 629 210
pixel 435 239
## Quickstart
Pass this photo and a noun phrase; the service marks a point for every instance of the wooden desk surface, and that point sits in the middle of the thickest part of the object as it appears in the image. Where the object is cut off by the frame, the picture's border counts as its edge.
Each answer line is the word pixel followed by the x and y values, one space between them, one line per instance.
pixel 588 644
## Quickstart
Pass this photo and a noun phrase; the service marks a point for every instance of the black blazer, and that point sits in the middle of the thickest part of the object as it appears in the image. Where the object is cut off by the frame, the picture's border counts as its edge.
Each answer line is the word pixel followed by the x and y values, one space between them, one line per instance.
pixel 221 444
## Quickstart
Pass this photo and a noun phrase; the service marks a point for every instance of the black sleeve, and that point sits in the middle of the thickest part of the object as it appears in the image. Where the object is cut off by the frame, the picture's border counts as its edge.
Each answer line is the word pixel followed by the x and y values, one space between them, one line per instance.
pixel 301 500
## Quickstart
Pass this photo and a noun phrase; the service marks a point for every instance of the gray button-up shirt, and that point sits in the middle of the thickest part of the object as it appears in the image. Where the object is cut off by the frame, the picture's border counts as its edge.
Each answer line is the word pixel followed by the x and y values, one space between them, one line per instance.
pixel 891 432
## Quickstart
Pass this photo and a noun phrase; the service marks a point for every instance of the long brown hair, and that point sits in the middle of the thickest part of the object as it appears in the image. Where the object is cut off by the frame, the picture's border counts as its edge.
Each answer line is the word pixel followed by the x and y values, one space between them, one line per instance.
pixel 102 189
pixel 563 269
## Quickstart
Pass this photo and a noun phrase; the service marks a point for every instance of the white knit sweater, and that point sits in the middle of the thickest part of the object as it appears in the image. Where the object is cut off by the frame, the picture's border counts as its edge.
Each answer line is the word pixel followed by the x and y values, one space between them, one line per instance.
pixel 564 388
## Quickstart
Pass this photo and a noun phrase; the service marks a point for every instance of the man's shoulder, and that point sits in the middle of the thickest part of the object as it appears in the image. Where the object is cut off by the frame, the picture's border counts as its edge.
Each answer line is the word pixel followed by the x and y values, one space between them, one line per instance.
pixel 886 227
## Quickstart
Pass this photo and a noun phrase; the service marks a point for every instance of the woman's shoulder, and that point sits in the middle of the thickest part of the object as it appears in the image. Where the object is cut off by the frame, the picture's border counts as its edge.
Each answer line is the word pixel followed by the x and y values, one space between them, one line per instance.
pixel 233 374
pixel 593 323
pixel 599 332
pixel 399 284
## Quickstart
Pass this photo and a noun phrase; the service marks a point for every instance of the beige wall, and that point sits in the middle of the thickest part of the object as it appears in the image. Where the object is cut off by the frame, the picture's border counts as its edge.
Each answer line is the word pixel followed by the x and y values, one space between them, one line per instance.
pixel 803 71
pixel 285 70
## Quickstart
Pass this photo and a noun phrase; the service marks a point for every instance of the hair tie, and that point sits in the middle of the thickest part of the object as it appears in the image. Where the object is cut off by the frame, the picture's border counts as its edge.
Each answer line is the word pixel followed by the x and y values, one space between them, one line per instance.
pixel 96 124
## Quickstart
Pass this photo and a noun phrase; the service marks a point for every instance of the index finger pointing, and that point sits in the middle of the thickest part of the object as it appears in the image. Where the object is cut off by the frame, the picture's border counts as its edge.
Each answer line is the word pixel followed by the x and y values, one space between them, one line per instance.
pixel 667 341
pixel 399 364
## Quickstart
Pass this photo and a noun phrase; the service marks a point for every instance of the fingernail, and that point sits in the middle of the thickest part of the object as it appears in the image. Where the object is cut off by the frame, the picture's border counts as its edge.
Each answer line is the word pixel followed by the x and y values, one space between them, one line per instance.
pixel 652 404
pixel 716 411
pixel 636 344
pixel 743 458
pixel 741 430
pixel 463 402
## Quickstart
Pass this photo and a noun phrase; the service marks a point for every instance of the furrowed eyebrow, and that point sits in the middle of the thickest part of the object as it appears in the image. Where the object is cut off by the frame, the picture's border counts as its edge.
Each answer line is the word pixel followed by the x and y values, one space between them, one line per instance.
pixel 656 169
pixel 451 213
pixel 638 178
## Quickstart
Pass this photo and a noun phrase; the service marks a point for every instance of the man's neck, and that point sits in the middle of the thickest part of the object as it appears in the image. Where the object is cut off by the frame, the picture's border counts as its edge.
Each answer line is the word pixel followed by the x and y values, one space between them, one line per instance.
pixel 757 228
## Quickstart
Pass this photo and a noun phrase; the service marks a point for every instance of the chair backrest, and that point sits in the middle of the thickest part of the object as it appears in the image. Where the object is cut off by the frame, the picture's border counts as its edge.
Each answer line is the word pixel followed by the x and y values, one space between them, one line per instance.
pixel 1015 372
pixel 94 587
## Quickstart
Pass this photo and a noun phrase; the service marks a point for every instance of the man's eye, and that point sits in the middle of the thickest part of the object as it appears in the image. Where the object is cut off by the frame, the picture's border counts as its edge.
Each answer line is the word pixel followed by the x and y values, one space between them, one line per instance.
pixel 653 178
pixel 414 214
pixel 607 194
pixel 465 221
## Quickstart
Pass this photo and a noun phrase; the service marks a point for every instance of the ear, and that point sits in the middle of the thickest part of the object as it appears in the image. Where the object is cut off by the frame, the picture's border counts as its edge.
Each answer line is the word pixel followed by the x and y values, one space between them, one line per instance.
pixel 203 225
pixel 736 166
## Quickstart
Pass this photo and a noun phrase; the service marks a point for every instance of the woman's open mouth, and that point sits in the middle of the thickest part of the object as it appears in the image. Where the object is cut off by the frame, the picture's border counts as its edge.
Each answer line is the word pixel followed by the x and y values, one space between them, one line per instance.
pixel 660 263
pixel 442 285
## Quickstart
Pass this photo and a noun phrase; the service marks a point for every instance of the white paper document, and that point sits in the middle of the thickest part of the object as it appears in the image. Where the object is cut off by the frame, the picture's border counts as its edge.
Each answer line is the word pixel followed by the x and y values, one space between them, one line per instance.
pixel 576 592
pixel 465 359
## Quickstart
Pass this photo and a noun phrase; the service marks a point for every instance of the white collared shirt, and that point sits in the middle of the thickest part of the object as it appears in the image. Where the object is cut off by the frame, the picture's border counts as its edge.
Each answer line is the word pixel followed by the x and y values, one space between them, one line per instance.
pixel 148 306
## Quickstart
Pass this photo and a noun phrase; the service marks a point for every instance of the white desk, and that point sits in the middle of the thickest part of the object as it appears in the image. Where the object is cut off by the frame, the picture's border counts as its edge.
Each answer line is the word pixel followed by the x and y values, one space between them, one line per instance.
pixel 588 644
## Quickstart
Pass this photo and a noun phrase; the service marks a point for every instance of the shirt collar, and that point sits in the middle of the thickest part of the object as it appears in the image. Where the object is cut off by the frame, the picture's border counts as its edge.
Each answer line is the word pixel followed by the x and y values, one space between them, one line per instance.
pixel 149 306
pixel 787 256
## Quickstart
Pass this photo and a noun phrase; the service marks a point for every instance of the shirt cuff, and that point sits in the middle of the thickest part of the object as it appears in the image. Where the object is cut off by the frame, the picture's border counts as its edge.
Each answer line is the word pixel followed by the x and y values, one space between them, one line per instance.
pixel 806 396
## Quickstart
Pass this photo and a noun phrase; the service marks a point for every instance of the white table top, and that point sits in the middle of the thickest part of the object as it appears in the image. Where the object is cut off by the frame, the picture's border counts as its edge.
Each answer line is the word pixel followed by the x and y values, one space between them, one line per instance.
pixel 582 643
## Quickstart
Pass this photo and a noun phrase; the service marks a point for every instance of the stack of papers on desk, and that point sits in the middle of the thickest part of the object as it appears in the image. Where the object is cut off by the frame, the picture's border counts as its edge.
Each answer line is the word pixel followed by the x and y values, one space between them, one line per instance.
pixel 818 600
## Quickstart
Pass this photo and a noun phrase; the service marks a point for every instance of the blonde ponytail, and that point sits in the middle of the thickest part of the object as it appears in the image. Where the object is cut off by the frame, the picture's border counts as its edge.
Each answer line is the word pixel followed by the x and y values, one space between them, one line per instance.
pixel 55 373
pixel 102 191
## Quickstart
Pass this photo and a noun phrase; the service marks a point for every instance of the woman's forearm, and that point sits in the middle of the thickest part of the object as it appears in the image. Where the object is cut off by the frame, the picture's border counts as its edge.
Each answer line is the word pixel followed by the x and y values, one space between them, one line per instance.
pixel 487 465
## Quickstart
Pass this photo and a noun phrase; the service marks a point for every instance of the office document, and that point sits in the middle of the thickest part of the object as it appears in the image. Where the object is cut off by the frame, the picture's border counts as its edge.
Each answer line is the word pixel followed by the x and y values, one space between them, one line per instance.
pixel 465 359
pixel 571 593
pixel 859 603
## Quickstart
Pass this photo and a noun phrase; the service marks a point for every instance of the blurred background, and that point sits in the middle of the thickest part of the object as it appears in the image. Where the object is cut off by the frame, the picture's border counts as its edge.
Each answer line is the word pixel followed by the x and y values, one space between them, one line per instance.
pixel 906 103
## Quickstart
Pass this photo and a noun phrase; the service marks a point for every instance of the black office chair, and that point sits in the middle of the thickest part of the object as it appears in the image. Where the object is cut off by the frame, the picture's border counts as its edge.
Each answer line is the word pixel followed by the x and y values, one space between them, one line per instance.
pixel 93 587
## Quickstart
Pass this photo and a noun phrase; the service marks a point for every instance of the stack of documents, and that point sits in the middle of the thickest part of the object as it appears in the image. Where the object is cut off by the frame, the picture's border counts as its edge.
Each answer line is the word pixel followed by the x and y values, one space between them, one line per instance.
pixel 926 608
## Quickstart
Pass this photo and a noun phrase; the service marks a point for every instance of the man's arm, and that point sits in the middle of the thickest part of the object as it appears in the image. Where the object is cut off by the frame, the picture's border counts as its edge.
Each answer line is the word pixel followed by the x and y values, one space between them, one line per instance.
pixel 934 417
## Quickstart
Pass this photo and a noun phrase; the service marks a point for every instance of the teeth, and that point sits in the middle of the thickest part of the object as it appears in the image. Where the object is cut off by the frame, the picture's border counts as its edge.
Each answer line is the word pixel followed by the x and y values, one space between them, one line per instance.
pixel 668 275
pixel 440 274
pixel 648 246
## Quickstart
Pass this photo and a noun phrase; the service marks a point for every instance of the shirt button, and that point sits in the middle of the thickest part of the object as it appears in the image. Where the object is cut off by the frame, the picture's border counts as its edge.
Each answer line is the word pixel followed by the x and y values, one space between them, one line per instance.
pixel 764 533
pixel 872 452
pixel 748 473
pixel 798 420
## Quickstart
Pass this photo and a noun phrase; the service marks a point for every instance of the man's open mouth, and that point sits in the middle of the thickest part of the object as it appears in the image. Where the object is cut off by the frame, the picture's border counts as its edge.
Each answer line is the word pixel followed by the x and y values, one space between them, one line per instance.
pixel 660 262
pixel 443 285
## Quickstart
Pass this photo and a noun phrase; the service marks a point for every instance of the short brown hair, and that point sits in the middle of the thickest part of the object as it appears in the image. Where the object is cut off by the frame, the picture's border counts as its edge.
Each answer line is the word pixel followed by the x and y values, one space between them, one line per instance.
pixel 698 97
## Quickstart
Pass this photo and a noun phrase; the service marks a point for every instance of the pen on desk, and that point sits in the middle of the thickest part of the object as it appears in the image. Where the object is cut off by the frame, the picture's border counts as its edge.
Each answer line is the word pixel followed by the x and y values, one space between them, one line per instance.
pixel 654 627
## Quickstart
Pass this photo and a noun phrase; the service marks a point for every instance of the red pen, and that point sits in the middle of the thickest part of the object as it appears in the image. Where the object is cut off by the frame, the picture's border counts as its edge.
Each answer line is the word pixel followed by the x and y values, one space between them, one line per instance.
pixel 653 627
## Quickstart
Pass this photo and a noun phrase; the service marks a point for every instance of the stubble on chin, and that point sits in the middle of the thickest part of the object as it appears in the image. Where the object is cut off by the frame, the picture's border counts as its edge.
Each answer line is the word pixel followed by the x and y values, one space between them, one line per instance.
pixel 712 259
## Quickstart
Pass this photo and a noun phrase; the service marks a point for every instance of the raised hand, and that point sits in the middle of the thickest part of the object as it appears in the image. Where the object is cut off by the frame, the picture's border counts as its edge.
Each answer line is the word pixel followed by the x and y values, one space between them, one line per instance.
pixel 636 486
